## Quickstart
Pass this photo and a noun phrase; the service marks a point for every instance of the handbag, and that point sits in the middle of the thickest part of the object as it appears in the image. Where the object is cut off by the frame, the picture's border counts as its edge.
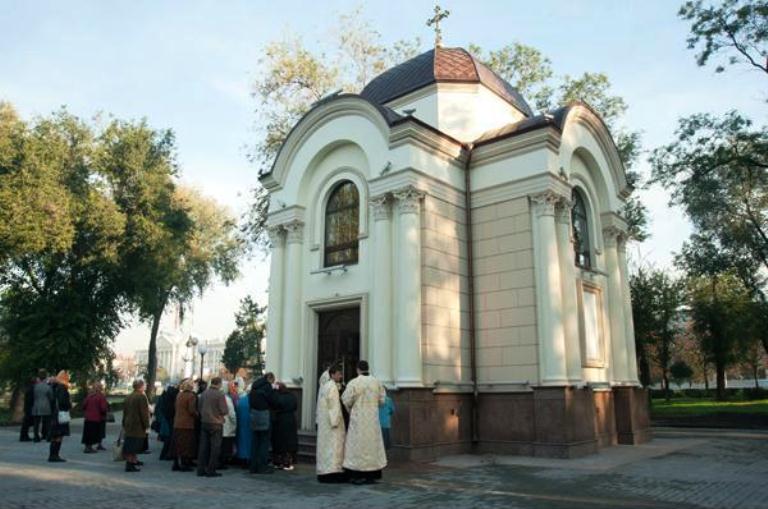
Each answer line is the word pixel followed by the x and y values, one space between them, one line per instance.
pixel 63 417
pixel 117 449
pixel 260 420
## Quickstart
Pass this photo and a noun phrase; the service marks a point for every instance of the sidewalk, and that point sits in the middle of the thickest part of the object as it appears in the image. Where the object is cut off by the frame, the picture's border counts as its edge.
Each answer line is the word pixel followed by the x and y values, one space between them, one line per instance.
pixel 679 469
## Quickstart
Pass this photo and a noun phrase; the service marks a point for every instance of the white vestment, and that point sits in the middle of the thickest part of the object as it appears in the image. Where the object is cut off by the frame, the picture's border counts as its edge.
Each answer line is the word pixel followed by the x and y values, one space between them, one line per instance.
pixel 364 447
pixel 330 430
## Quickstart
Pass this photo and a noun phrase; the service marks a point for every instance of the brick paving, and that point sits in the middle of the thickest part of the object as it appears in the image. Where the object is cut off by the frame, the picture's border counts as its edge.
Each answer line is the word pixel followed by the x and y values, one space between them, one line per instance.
pixel 678 469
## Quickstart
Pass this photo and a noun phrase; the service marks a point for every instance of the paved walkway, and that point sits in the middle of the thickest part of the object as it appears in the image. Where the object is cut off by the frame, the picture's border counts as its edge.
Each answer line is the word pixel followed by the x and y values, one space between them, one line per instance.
pixel 678 469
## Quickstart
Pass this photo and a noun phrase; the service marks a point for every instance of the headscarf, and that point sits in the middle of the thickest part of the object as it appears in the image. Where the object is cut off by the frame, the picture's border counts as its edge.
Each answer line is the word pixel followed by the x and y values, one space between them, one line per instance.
pixel 63 378
pixel 232 390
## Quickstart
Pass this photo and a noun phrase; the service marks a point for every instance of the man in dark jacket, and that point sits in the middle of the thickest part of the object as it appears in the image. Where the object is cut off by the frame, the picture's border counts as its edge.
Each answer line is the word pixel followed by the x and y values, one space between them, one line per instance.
pixel 261 399
pixel 213 408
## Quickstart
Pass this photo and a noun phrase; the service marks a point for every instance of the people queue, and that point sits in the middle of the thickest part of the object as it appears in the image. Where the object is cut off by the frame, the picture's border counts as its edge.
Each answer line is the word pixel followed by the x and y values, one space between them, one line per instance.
pixel 209 427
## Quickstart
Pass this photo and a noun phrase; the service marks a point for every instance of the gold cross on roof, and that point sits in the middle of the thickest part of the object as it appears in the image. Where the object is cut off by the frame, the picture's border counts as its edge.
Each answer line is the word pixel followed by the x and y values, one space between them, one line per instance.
pixel 440 14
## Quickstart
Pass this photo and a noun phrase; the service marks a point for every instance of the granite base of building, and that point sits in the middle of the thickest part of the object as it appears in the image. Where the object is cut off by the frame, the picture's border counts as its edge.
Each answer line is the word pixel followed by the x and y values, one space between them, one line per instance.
pixel 633 419
pixel 556 422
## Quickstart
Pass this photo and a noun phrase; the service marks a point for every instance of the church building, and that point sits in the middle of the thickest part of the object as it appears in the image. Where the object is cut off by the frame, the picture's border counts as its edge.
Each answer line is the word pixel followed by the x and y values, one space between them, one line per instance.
pixel 472 251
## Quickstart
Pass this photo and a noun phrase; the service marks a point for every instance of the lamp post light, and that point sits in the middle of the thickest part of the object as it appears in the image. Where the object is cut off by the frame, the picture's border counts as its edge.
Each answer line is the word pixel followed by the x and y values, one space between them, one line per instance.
pixel 191 344
pixel 202 349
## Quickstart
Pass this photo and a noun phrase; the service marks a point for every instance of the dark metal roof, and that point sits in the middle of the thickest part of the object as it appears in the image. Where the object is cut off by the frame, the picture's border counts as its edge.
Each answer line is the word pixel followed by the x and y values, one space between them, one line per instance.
pixel 554 118
pixel 440 65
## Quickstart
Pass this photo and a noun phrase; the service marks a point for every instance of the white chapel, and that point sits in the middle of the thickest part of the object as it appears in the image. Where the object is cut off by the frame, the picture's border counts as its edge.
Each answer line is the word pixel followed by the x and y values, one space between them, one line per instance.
pixel 472 251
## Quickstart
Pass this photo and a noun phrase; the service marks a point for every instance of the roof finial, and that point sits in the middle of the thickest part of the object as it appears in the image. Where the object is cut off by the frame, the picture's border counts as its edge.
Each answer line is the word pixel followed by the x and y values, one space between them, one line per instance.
pixel 440 14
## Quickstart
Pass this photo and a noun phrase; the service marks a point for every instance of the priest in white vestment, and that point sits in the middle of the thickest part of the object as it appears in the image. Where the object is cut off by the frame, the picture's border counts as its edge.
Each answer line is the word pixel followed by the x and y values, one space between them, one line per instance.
pixel 330 429
pixel 364 456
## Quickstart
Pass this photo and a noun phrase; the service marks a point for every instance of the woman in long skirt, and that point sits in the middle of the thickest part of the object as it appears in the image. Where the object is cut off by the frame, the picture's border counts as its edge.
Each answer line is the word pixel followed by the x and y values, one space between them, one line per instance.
pixel 95 412
pixel 184 437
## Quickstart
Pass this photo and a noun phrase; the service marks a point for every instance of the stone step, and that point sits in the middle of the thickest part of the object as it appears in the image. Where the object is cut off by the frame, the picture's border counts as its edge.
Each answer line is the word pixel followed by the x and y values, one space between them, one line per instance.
pixel 307 446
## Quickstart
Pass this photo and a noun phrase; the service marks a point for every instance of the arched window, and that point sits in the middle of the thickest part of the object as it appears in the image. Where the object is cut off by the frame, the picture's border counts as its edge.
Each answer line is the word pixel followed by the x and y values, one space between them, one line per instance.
pixel 341 225
pixel 580 222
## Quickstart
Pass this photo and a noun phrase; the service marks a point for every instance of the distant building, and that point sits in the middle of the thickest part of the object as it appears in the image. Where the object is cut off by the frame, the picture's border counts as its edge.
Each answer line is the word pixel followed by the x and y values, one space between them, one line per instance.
pixel 176 359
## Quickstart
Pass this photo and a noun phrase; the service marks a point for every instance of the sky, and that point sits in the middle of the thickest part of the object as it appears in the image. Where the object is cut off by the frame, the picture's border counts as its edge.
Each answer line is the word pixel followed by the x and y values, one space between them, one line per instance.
pixel 189 65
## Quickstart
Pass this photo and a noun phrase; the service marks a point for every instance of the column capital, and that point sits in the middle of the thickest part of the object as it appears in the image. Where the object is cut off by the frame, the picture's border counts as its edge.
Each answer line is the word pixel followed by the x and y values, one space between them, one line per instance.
pixel 563 210
pixel 276 236
pixel 408 199
pixel 294 232
pixel 613 236
pixel 381 207
pixel 544 203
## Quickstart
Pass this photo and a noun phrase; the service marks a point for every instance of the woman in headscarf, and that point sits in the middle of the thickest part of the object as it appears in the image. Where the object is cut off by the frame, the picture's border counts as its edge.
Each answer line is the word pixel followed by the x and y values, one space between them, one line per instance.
pixel 166 411
pixel 244 433
pixel 95 412
pixel 184 438
pixel 229 429
pixel 60 416
pixel 285 440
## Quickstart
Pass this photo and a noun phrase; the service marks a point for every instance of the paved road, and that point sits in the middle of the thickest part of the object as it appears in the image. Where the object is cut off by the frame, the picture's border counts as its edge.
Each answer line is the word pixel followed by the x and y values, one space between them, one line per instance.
pixel 688 469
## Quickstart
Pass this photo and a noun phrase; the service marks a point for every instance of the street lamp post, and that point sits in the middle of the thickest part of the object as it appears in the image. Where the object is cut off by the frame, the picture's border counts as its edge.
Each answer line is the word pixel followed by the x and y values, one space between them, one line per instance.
pixel 202 349
pixel 191 344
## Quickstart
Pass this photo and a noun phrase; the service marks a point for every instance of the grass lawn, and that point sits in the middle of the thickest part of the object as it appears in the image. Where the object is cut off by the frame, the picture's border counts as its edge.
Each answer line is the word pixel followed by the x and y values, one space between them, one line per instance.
pixel 703 407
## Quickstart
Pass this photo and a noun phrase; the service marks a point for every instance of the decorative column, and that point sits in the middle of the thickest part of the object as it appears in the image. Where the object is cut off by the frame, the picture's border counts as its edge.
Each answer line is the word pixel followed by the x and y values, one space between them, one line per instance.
pixel 381 310
pixel 611 239
pixel 569 289
pixel 293 306
pixel 275 309
pixel 407 306
pixel 629 324
pixel 549 301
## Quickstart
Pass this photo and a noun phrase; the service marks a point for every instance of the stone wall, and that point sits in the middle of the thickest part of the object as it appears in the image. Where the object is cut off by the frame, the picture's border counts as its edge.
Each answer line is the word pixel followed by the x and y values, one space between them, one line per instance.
pixel 445 326
pixel 505 295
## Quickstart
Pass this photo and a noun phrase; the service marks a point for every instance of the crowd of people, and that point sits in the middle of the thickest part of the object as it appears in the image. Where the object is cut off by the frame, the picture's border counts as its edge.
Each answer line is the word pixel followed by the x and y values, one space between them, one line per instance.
pixel 208 427
pixel 47 407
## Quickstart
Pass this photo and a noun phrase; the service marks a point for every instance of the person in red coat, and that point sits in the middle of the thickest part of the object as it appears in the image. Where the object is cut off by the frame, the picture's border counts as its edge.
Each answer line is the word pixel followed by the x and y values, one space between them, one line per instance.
pixel 95 409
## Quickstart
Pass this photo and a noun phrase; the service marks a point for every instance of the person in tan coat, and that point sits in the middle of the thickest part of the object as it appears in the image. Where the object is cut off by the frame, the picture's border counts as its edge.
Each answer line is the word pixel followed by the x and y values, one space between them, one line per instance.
pixel 135 425
pixel 184 439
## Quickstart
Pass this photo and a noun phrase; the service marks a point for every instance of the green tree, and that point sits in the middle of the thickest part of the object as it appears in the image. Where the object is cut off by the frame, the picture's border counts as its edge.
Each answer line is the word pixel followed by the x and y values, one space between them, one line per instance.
pixel 718 304
pixel 60 293
pixel 737 28
pixel 680 372
pixel 656 300
pixel 243 348
pixel 176 241
pixel 35 216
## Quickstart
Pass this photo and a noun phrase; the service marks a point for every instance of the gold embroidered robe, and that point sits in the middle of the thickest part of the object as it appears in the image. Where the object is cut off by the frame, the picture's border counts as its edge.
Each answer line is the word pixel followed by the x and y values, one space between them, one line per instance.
pixel 330 430
pixel 364 446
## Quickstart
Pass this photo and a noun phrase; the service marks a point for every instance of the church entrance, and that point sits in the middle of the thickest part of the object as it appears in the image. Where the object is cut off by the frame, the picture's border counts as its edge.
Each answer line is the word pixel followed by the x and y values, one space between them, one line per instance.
pixel 338 338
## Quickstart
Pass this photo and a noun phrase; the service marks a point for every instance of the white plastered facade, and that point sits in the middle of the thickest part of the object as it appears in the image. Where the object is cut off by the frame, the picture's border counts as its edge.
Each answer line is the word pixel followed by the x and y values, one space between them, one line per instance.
pixel 410 281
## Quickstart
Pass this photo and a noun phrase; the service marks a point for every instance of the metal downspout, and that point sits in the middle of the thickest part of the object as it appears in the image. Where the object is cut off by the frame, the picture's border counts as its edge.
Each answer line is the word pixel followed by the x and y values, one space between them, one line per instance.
pixel 471 291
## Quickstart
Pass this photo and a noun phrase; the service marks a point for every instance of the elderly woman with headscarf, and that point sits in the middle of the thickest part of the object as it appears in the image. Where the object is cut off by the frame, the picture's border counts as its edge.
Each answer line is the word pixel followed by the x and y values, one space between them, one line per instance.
pixel 94 412
pixel 165 410
pixel 244 433
pixel 135 425
pixel 229 428
pixel 184 438
pixel 60 408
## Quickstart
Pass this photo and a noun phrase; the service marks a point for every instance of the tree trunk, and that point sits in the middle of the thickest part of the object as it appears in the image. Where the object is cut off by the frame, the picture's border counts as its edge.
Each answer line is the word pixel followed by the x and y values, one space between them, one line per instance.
pixel 706 381
pixel 17 404
pixel 754 372
pixel 152 353
pixel 665 379
pixel 645 366
pixel 720 369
